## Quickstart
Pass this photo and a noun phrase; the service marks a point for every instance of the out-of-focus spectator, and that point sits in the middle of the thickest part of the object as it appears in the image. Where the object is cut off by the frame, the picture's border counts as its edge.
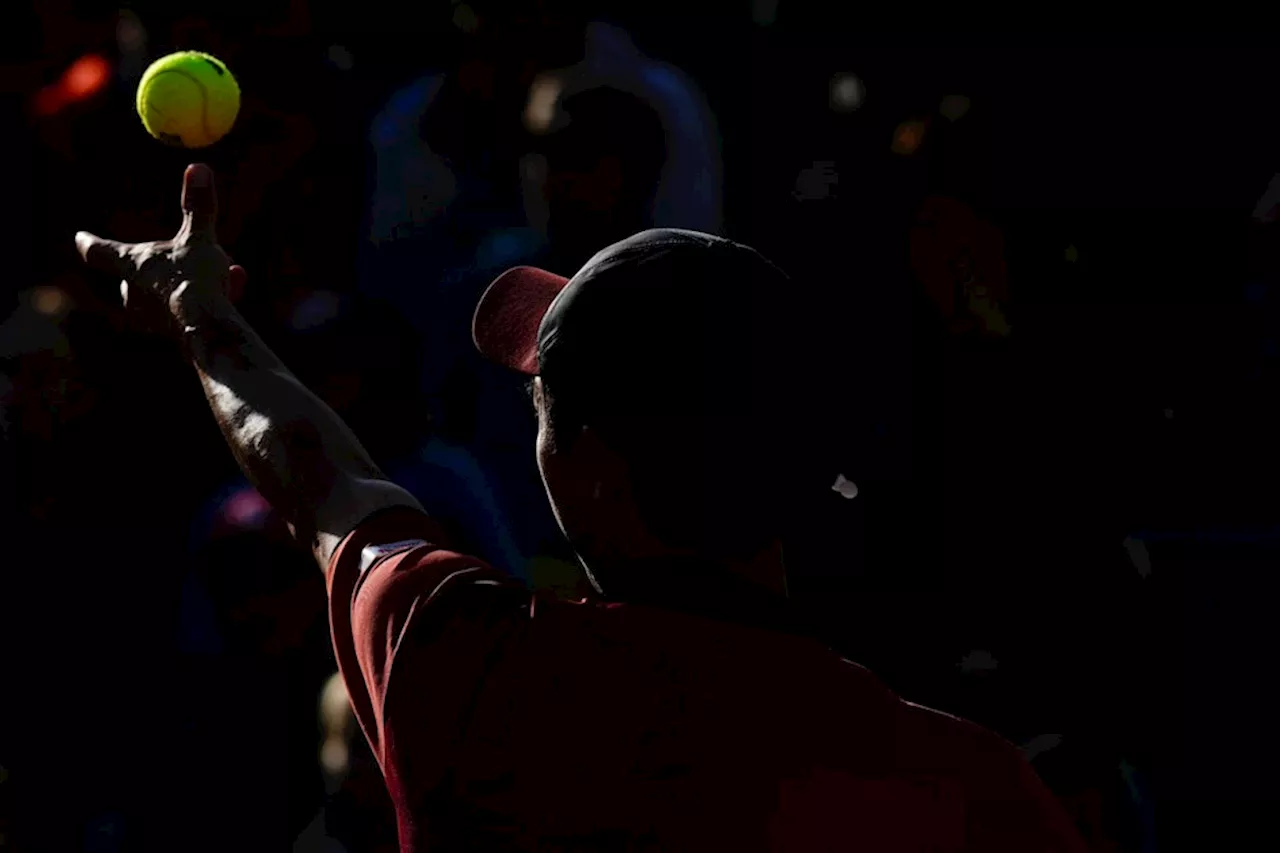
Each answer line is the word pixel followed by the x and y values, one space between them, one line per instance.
pixel 357 814
pixel 689 192
pixel 595 177
pixel 338 727
pixel 445 191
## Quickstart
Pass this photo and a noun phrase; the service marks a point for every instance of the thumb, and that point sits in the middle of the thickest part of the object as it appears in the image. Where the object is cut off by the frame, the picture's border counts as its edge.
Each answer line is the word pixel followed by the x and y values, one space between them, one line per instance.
pixel 105 255
pixel 199 203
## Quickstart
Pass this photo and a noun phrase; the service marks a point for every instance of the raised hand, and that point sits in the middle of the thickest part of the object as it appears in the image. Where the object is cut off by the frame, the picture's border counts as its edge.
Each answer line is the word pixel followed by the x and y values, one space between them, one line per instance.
pixel 158 279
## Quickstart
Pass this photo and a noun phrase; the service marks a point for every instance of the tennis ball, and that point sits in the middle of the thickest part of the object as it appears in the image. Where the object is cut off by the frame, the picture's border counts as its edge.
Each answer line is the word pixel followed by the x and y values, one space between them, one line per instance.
pixel 188 99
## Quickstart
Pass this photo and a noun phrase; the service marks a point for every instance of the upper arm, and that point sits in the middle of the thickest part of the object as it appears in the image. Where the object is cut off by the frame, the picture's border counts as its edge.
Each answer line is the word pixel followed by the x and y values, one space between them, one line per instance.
pixel 392 577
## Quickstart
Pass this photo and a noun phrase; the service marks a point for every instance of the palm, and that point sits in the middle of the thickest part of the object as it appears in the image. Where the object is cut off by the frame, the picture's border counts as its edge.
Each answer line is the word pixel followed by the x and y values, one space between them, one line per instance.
pixel 152 275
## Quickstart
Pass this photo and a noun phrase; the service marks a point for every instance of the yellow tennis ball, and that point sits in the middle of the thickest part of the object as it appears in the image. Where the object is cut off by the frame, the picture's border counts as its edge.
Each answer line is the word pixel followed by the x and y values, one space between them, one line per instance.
pixel 188 99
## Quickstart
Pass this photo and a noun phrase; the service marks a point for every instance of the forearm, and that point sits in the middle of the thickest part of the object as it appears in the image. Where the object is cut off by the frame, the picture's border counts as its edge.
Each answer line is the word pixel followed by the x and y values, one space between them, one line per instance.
pixel 294 449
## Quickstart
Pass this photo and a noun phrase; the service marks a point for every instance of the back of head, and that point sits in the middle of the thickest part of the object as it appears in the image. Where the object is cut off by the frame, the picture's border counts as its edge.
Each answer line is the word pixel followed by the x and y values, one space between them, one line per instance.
pixel 688 378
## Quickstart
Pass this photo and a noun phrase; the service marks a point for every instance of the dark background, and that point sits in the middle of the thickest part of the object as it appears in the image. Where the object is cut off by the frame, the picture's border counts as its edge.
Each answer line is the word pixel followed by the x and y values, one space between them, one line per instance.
pixel 999 477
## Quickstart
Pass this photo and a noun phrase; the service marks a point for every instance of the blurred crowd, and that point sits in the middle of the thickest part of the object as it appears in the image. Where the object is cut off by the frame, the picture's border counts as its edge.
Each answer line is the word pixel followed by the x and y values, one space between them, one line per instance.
pixel 1000 409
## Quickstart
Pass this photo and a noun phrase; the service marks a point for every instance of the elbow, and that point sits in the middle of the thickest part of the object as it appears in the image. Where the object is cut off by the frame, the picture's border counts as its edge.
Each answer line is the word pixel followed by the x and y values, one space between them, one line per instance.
pixel 351 501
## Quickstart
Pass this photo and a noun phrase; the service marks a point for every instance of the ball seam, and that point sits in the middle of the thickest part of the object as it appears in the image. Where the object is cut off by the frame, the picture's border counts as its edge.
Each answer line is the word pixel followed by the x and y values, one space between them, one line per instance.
pixel 204 101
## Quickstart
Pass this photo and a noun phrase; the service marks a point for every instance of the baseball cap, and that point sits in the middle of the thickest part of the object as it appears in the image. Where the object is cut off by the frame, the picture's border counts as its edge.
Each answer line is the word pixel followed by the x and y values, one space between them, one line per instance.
pixel 705 325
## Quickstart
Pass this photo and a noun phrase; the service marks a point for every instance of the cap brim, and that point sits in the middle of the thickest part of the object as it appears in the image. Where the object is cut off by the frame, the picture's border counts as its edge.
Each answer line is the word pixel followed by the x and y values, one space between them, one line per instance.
pixel 506 322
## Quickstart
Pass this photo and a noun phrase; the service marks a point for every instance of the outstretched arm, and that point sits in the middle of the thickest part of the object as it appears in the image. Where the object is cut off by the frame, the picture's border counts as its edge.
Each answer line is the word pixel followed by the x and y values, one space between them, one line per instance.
pixel 294 449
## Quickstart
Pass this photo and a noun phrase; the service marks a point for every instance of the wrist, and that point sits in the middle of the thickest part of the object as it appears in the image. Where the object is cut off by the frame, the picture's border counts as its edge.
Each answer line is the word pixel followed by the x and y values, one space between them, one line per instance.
pixel 194 307
pixel 207 327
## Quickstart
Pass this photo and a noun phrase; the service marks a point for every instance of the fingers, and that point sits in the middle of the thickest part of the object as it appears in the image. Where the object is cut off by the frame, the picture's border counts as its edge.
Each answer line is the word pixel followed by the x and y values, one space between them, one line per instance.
pixel 199 203
pixel 105 255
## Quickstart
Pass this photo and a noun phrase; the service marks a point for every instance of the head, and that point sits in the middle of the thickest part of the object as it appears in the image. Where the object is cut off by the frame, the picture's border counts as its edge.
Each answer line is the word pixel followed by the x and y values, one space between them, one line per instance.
pixel 474 121
pixel 659 381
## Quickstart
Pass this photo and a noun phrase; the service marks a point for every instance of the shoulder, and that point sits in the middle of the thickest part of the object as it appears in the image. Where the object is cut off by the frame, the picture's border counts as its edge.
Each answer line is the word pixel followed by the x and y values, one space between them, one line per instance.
pixel 401 559
pixel 395 582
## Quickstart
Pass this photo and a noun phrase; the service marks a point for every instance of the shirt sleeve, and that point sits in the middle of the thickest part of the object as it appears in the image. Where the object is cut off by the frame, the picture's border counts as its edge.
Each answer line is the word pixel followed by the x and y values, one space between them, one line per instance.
pixel 392 573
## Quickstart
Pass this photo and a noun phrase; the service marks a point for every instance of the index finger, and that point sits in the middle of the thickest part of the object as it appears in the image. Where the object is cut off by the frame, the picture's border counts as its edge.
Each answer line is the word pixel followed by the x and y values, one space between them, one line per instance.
pixel 199 203
pixel 106 255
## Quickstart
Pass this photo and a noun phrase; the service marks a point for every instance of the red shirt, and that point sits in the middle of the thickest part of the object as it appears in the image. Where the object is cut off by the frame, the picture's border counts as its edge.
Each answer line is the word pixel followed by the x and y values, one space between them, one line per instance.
pixel 506 721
